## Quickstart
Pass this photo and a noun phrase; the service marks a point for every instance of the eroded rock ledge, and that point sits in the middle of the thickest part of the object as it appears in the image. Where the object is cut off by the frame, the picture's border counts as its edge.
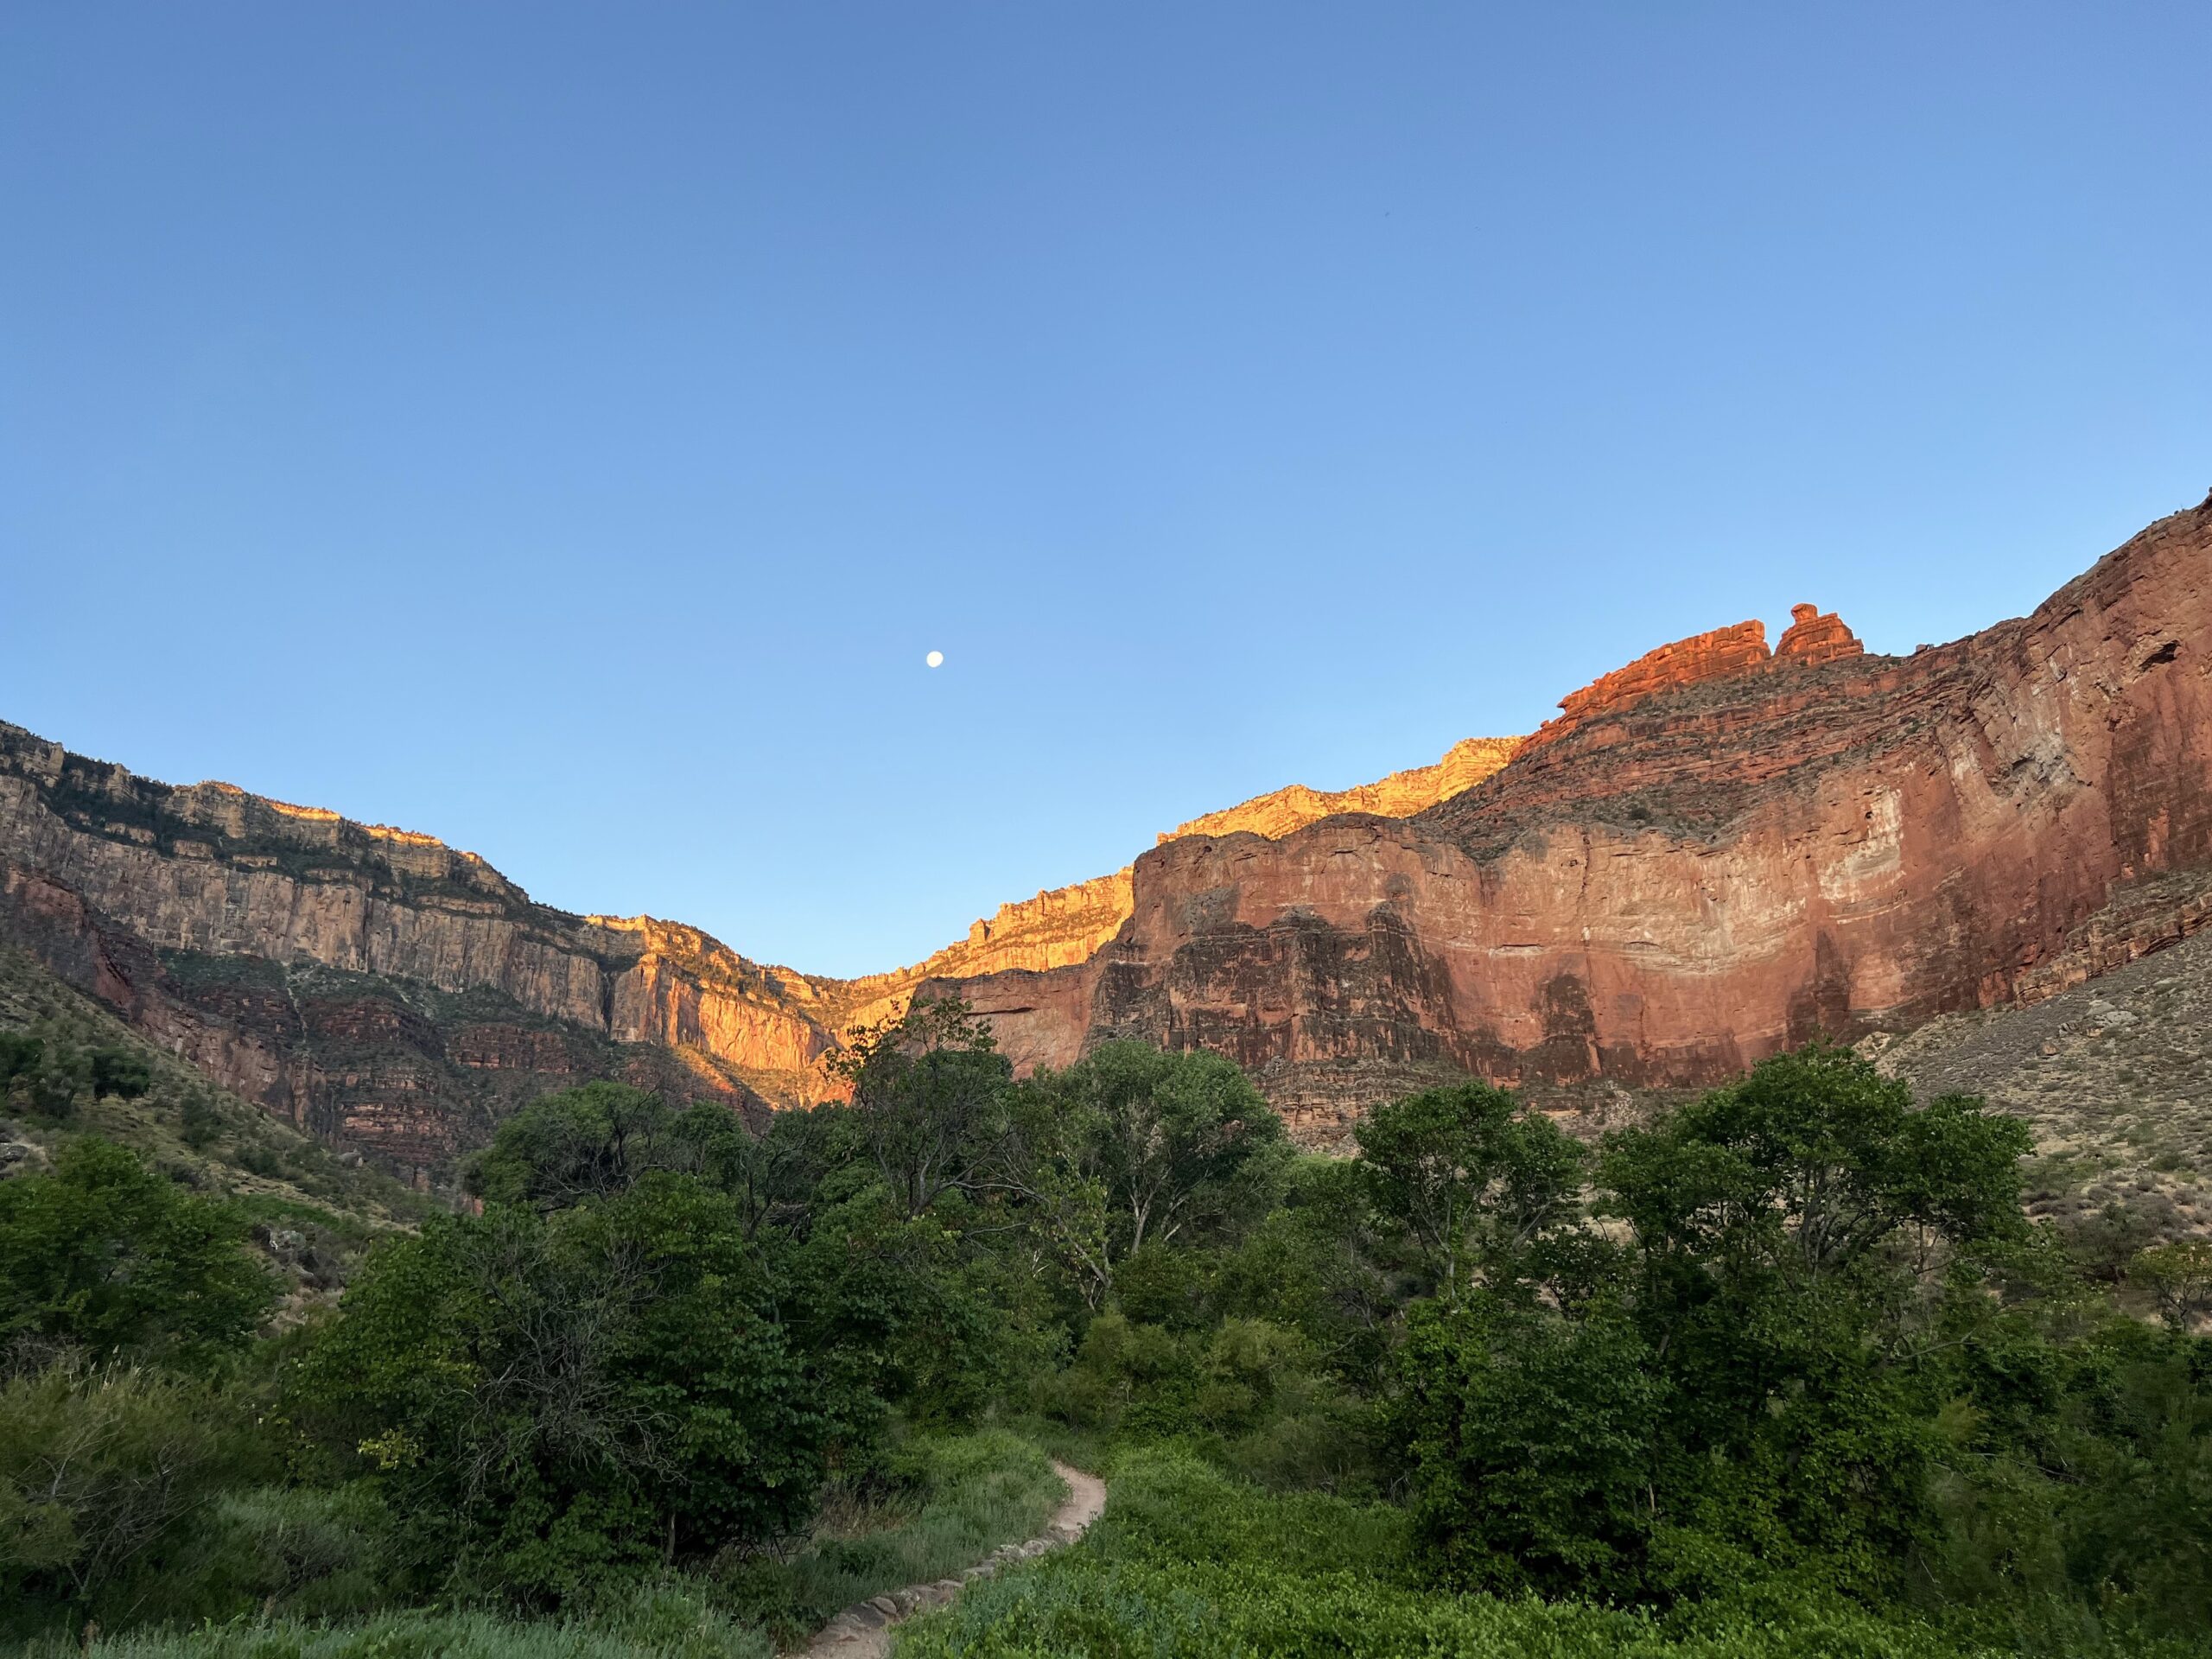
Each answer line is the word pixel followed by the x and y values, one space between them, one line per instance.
pixel 1712 852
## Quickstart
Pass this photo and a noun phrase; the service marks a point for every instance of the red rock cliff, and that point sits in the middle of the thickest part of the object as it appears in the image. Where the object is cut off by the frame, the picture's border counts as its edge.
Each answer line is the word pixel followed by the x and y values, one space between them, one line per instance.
pixel 1712 854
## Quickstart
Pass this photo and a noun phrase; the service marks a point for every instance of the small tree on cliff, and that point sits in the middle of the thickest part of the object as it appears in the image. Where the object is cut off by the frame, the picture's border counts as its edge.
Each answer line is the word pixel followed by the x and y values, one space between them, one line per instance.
pixel 926 1088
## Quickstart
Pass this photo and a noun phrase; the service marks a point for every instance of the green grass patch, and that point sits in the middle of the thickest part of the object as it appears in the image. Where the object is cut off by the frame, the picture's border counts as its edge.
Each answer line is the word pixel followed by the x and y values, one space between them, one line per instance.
pixel 666 1624
pixel 954 1498
pixel 1188 1563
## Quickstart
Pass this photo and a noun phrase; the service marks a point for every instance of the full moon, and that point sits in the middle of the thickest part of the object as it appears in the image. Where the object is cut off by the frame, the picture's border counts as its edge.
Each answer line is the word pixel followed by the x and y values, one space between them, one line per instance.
pixel 935 659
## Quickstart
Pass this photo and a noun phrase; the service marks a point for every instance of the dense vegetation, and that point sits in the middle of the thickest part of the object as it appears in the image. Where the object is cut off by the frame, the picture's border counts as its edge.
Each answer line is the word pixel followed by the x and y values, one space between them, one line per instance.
pixel 1784 1370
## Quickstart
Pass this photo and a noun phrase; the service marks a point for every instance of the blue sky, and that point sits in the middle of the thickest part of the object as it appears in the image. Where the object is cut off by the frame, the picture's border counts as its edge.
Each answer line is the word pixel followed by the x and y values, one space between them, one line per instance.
pixel 565 428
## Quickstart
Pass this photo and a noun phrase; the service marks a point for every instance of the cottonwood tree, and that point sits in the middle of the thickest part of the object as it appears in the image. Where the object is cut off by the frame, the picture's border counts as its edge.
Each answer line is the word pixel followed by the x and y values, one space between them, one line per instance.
pixel 1133 1146
pixel 926 1092
pixel 1470 1173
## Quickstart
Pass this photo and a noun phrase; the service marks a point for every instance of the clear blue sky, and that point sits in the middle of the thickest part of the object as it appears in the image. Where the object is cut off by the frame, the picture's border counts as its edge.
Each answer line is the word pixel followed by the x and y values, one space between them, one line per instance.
pixel 565 428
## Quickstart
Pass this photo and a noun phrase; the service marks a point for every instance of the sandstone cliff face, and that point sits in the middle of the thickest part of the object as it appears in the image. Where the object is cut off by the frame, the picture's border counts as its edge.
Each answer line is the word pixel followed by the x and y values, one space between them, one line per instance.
pixel 1400 795
pixel 1063 927
pixel 395 994
pixel 371 984
pixel 1712 854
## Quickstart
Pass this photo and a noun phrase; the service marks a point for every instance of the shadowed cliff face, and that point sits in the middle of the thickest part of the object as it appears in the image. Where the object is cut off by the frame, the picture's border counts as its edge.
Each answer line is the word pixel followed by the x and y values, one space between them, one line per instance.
pixel 1710 855
pixel 369 984
pixel 391 992
pixel 1713 852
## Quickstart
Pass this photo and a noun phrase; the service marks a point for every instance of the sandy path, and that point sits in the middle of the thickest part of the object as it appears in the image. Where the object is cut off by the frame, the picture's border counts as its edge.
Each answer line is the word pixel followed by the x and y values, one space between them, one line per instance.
pixel 864 1630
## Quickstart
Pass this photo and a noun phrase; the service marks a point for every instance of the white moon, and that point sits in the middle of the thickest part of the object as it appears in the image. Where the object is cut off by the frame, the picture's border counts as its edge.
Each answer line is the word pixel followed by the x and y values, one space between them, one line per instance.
pixel 935 659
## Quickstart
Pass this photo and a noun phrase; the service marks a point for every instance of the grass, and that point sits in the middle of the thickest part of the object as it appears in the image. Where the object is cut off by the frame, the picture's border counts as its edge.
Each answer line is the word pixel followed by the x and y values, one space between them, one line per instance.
pixel 970 1493
pixel 950 1501
pixel 668 1625
pixel 1188 1563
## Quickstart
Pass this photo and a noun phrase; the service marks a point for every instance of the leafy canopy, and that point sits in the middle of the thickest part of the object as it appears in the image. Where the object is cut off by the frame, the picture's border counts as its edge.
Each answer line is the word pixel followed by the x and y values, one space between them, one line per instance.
pixel 101 1254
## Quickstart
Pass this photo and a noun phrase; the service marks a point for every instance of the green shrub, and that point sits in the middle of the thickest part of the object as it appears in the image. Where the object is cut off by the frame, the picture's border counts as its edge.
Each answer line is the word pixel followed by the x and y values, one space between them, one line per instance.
pixel 1531 1442
pixel 119 1072
pixel 102 1253
pixel 550 1404
pixel 107 1477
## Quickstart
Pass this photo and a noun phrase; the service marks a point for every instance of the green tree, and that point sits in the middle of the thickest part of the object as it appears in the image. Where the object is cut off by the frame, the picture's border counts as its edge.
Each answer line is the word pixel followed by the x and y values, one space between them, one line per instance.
pixel 601 1139
pixel 1812 1166
pixel 118 1072
pixel 1133 1146
pixel 1782 1227
pixel 547 1400
pixel 925 1093
pixel 100 1253
pixel 2179 1278
pixel 1473 1175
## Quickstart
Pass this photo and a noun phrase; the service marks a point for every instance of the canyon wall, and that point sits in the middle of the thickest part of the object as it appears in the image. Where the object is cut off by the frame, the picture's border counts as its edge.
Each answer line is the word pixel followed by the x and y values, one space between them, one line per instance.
pixel 1400 795
pixel 371 984
pixel 1712 854
pixel 1063 927
pixel 398 995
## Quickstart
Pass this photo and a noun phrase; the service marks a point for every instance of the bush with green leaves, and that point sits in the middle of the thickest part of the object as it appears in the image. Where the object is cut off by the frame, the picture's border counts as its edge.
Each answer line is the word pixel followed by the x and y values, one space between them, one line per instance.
pixel 108 1479
pixel 546 1402
pixel 100 1255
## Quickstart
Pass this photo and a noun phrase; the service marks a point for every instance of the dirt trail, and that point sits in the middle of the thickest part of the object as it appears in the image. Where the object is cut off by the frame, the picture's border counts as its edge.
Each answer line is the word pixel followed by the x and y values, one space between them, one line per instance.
pixel 864 1630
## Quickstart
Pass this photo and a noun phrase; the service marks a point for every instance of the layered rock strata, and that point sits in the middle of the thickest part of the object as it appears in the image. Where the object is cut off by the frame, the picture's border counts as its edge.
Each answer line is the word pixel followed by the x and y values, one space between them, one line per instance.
pixel 1400 795
pixel 1712 854
pixel 396 994
pixel 371 984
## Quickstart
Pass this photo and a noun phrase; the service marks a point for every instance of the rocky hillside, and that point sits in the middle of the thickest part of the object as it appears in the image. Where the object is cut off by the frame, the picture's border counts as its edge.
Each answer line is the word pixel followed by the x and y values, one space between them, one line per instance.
pixel 1714 852
pixel 386 992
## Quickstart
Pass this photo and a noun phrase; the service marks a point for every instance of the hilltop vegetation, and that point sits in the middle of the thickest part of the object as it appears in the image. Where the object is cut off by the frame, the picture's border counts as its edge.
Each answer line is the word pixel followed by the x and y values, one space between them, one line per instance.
pixel 1790 1369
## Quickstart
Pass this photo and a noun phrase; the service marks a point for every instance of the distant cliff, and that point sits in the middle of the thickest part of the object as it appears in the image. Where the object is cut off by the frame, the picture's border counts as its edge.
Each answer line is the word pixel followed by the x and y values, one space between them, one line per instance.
pixel 393 994
pixel 371 984
pixel 1398 795
pixel 1712 852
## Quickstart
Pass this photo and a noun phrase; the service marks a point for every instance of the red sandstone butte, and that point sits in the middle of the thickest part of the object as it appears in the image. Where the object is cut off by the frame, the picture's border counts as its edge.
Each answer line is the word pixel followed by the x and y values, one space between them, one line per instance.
pixel 1712 854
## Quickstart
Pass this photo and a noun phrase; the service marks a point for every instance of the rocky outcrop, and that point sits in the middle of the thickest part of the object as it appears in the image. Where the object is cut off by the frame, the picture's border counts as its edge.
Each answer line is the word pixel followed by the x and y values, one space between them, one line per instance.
pixel 1712 854
pixel 1400 795
pixel 1815 636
